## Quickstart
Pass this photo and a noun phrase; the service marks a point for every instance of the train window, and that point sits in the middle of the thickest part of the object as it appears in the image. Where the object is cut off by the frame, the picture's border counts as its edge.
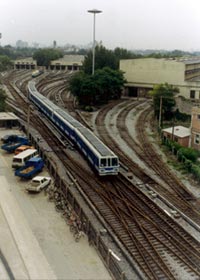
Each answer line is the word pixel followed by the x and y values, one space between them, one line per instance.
pixel 114 162
pixel 103 162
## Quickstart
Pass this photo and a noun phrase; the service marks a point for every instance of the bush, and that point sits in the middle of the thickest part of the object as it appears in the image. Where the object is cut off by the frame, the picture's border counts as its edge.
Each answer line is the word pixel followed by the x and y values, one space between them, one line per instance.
pixel 188 164
pixel 175 147
pixel 181 116
pixel 88 108
pixel 196 171
pixel 2 100
pixel 190 154
pixel 187 156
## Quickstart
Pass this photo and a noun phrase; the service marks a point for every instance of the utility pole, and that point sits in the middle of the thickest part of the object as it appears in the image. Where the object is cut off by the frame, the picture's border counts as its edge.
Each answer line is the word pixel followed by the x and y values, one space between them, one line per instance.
pixel 28 121
pixel 94 12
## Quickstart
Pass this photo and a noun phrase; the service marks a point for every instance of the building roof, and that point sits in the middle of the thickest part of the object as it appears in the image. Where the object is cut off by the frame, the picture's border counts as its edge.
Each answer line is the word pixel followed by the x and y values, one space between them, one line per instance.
pixel 6 116
pixel 190 60
pixel 25 60
pixel 69 60
pixel 179 131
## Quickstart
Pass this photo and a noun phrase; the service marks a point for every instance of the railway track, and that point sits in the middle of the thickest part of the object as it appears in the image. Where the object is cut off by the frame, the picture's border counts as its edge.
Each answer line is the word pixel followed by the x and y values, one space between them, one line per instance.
pixel 151 236
pixel 132 217
pixel 148 153
pixel 171 194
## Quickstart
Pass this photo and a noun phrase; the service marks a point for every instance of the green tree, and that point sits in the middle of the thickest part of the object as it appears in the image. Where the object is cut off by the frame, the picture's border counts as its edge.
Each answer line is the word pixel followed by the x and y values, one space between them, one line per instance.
pixel 91 90
pixel 110 83
pixel 45 56
pixel 163 98
pixel 5 63
pixel 103 58
pixel 2 100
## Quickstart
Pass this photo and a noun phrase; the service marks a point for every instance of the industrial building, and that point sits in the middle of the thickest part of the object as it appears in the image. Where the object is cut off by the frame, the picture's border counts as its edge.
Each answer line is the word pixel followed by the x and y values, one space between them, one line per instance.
pixel 67 62
pixel 142 74
pixel 8 120
pixel 25 63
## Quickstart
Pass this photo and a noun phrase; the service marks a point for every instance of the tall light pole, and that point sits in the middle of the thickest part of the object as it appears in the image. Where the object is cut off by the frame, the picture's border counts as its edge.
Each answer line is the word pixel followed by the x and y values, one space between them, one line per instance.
pixel 94 12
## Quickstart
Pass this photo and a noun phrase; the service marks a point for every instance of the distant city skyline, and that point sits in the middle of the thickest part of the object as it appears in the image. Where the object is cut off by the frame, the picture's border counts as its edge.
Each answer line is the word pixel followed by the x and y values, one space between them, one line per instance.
pixel 129 24
pixel 73 47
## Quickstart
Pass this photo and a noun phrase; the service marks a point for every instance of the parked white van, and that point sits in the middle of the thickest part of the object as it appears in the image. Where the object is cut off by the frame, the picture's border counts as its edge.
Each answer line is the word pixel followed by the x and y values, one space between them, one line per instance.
pixel 20 159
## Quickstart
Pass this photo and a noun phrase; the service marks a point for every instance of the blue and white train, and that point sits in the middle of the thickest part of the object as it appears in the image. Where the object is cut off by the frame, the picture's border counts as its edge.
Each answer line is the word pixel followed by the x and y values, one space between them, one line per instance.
pixel 103 160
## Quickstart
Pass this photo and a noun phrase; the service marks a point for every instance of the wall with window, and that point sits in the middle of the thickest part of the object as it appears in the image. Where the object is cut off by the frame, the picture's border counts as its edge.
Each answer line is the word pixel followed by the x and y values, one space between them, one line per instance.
pixel 195 128
pixel 147 72
pixel 183 141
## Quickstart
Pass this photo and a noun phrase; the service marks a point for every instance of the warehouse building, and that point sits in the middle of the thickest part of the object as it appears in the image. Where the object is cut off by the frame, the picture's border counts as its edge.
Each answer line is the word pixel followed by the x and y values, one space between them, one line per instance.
pixel 25 63
pixel 142 74
pixel 68 62
pixel 8 120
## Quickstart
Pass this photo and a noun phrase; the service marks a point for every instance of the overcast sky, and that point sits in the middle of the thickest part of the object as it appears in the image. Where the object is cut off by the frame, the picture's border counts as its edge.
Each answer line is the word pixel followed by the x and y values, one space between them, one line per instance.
pixel 130 24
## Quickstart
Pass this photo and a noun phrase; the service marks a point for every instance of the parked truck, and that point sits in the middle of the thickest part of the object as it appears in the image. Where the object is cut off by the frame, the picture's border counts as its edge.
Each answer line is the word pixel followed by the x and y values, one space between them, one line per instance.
pixel 31 167
pixel 16 142
pixel 9 138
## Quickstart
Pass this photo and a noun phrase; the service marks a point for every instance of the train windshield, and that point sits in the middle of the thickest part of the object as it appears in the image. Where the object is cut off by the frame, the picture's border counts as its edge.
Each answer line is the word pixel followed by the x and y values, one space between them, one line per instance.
pixel 103 162
pixel 114 161
pixel 109 162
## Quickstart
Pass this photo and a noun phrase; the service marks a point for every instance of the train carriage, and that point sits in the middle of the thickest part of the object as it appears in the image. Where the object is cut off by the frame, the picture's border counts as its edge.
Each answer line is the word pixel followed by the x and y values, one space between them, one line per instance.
pixel 63 124
pixel 102 159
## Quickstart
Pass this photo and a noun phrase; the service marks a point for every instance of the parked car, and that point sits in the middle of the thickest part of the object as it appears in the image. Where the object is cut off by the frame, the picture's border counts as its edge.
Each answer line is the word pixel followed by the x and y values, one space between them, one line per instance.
pixel 38 183
pixel 23 148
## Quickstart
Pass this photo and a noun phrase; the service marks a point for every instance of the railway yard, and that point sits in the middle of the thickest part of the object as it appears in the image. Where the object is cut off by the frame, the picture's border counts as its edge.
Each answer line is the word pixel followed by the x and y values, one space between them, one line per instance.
pixel 143 223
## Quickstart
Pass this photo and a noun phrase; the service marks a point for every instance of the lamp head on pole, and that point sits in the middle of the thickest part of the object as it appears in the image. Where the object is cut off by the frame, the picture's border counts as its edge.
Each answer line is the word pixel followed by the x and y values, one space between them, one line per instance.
pixel 94 11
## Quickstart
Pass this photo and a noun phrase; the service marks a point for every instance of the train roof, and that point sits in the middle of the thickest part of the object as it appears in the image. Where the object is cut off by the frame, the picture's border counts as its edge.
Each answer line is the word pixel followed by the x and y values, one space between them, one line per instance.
pixel 42 97
pixel 95 142
pixel 69 118
pixel 51 104
pixel 32 86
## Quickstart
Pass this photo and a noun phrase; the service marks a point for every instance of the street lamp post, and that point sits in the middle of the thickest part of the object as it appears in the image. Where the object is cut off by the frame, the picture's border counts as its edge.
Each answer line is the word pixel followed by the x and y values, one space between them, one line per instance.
pixel 94 12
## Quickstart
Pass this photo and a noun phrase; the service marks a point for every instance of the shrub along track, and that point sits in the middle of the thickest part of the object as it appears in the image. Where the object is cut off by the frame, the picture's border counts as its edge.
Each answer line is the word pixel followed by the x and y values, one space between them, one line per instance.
pixel 152 158
pixel 138 231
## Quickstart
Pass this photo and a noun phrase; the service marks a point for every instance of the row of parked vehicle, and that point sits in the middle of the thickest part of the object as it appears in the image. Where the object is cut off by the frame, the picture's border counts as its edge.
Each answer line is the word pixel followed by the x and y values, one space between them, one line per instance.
pixel 26 161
